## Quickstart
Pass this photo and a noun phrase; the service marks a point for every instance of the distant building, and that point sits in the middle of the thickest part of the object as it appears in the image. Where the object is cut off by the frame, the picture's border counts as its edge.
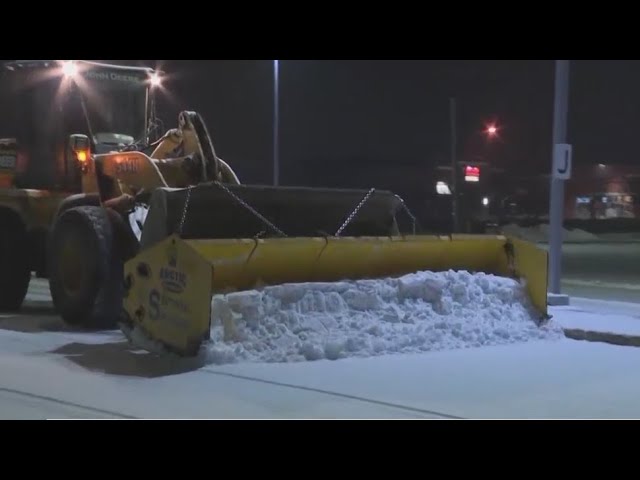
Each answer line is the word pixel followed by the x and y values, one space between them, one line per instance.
pixel 603 191
pixel 481 194
pixel 593 192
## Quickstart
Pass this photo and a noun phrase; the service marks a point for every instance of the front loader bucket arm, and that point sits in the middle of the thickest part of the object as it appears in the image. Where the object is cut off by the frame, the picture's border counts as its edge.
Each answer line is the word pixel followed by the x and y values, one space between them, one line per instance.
pixel 170 284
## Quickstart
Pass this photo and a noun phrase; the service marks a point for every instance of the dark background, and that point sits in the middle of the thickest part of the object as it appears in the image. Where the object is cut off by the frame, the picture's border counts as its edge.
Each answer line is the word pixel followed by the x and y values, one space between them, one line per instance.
pixel 385 123
pixel 341 117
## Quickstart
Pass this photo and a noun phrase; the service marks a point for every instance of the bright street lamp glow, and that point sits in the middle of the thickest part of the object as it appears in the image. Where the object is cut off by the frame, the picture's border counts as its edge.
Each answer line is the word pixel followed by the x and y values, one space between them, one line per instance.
pixel 155 80
pixel 69 69
pixel 485 201
pixel 492 130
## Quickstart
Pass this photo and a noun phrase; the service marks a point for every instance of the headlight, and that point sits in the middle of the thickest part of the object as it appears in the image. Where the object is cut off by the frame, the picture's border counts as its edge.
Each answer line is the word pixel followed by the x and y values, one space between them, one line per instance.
pixel 69 69
pixel 155 80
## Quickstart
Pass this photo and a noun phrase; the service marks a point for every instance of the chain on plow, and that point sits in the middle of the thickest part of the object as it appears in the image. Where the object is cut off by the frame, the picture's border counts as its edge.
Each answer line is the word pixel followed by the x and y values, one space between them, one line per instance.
pixel 273 227
pixel 185 207
pixel 240 201
pixel 353 214
pixel 413 218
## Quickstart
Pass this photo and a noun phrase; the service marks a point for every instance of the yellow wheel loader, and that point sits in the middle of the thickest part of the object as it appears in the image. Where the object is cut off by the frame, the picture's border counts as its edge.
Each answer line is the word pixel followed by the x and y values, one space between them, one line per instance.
pixel 170 224
pixel 44 103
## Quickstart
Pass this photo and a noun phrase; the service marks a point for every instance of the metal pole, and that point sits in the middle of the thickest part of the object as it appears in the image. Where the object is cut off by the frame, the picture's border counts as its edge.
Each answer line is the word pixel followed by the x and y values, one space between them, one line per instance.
pixel 454 167
pixel 276 122
pixel 556 202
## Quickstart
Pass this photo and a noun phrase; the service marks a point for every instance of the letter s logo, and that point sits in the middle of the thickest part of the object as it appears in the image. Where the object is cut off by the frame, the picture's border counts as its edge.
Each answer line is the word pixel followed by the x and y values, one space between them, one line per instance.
pixel 154 304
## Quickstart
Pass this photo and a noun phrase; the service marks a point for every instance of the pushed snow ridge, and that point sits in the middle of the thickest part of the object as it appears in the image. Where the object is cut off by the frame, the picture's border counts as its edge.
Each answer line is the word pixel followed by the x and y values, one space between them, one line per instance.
pixel 419 312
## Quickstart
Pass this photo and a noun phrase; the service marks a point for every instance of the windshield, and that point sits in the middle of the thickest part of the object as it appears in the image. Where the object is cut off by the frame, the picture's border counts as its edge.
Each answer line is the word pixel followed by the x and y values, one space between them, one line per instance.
pixel 116 110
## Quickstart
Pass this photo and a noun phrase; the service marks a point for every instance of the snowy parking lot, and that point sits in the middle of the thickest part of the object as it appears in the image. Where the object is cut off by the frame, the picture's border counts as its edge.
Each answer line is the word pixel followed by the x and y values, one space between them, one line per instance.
pixel 48 370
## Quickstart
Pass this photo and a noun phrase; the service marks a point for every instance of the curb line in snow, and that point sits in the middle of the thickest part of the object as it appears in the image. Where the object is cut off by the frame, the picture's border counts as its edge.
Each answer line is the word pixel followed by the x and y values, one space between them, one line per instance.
pixel 591 242
pixel 619 339
pixel 115 415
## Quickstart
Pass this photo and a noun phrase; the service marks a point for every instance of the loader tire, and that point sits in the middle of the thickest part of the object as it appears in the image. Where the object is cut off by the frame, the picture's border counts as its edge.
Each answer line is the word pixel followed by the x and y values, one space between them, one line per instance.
pixel 78 200
pixel 15 272
pixel 85 271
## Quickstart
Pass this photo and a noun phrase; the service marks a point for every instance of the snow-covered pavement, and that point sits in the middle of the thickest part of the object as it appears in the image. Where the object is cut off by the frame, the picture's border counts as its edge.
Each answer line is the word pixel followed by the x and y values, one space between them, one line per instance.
pixel 587 314
pixel 17 405
pixel 566 379
pixel 49 371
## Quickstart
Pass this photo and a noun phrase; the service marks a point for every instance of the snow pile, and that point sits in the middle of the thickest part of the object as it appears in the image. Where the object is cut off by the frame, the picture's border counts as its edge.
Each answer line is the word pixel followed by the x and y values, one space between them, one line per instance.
pixel 540 233
pixel 419 312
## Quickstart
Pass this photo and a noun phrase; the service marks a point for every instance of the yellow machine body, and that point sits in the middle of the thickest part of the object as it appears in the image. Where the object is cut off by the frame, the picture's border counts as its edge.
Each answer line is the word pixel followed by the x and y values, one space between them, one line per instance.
pixel 36 208
pixel 171 283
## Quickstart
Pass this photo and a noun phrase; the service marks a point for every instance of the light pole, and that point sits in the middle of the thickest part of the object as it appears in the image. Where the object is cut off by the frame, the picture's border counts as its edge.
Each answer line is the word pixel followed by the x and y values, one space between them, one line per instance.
pixel 491 131
pixel 454 166
pixel 276 121
pixel 556 207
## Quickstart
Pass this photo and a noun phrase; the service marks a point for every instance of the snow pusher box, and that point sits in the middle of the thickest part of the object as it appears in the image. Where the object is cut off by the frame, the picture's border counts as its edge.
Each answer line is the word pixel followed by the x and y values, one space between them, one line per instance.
pixel 170 283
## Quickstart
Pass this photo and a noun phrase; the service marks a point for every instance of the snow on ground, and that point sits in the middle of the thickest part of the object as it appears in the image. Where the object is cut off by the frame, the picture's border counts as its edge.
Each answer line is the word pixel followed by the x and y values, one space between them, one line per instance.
pixel 580 282
pixel 540 233
pixel 563 379
pixel 620 237
pixel 538 380
pixel 419 312
pixel 48 370
pixel 611 317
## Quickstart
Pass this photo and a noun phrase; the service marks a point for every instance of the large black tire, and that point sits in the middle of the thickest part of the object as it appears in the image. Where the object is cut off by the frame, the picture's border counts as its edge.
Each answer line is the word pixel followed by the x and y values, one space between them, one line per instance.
pixel 78 200
pixel 86 268
pixel 40 241
pixel 15 271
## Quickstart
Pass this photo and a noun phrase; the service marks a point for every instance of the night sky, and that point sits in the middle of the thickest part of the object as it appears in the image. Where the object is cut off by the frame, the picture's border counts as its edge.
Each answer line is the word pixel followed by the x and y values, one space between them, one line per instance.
pixel 382 123
pixel 340 117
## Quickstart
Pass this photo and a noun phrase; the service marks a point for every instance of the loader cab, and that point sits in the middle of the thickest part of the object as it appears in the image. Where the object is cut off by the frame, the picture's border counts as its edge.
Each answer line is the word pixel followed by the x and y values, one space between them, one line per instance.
pixel 50 101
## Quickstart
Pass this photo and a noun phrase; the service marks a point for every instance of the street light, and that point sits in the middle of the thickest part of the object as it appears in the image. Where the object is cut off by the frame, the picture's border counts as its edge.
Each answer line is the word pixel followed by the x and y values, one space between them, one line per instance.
pixel 276 121
pixel 491 130
pixel 155 80
pixel 69 69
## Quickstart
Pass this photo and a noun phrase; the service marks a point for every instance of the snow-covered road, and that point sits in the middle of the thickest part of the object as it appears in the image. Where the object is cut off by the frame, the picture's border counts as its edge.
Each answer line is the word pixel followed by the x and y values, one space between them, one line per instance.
pixel 49 371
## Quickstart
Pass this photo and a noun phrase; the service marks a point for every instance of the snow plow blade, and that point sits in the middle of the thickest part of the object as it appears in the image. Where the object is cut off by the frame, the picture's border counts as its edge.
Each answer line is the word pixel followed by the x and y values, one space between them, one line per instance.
pixel 169 285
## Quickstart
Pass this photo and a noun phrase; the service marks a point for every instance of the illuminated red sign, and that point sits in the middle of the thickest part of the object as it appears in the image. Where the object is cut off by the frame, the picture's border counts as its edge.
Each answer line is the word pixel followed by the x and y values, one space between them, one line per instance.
pixel 471 174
